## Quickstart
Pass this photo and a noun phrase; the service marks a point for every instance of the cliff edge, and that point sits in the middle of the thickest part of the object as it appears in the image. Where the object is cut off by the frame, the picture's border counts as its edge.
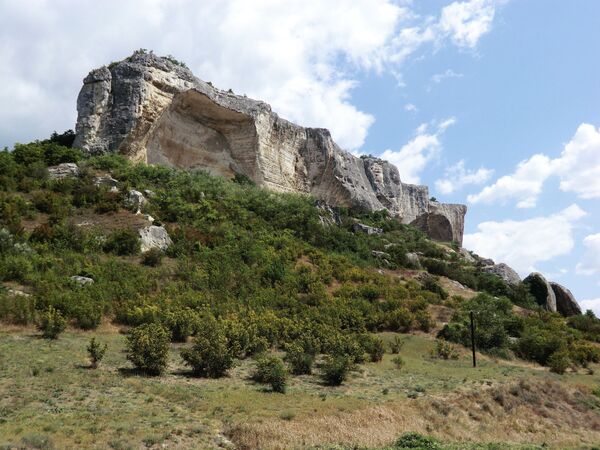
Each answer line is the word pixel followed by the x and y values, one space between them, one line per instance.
pixel 154 110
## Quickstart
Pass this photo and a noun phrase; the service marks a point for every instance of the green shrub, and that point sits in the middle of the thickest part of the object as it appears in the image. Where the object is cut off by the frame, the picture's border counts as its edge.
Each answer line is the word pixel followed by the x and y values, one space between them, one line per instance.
pixel 398 362
pixel 416 441
pixel 300 361
pixel 152 257
pixel 271 370
pixel 335 370
pixel 182 323
pixel 559 362
pixel 396 344
pixel 376 349
pixel 51 323
pixel 87 315
pixel 212 354
pixel 123 242
pixel 148 348
pixel 400 319
pixel 444 350
pixel 96 352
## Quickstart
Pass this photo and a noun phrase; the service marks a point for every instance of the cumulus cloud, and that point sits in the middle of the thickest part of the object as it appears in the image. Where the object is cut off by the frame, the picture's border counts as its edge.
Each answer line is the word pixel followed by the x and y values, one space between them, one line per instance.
pixel 414 156
pixel 293 55
pixel 524 185
pixel 523 244
pixel 593 304
pixel 590 263
pixel 456 177
pixel 410 107
pixel 577 167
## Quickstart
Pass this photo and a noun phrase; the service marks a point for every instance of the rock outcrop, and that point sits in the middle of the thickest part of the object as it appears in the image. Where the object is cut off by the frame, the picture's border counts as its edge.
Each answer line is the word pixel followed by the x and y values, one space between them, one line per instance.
pixel 565 300
pixel 153 110
pixel 505 272
pixel 154 237
pixel 541 290
pixel 63 170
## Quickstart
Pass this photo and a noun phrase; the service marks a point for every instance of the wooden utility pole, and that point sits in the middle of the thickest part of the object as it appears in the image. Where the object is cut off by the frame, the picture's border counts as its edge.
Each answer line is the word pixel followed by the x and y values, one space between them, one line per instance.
pixel 473 338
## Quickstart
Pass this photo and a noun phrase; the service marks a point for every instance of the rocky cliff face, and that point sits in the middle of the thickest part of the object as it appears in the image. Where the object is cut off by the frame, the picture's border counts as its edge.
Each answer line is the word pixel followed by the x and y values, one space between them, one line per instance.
pixel 153 110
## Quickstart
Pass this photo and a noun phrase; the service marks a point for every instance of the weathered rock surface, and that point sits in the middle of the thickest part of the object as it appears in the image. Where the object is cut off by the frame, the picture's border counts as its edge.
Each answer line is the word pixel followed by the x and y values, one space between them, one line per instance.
pixel 135 200
pixel 362 228
pixel 565 300
pixel 107 181
pixel 64 170
pixel 505 272
pixel 153 110
pixel 81 280
pixel 328 216
pixel 541 290
pixel 154 237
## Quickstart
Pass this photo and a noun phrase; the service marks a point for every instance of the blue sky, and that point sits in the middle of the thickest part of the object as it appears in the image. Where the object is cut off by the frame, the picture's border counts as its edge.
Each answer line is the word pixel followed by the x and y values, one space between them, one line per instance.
pixel 492 103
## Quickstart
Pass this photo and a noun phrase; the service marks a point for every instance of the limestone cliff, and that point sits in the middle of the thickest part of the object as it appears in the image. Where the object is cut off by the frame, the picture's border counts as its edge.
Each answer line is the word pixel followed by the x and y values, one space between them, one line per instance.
pixel 154 110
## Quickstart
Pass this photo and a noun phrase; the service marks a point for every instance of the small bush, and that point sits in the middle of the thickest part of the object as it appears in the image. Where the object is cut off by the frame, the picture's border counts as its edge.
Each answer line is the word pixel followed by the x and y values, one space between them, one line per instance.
pixel 271 370
pixel 396 345
pixel 299 360
pixel 148 348
pixel 416 441
pixel 96 352
pixel 51 323
pixel 152 257
pixel 211 355
pixel 376 349
pixel 335 370
pixel 444 350
pixel 398 362
pixel 123 242
pixel 559 362
pixel 182 323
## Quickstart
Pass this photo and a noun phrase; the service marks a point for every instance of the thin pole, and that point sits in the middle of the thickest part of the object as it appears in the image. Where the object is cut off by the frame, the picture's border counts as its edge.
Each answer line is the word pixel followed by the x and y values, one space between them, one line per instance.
pixel 473 339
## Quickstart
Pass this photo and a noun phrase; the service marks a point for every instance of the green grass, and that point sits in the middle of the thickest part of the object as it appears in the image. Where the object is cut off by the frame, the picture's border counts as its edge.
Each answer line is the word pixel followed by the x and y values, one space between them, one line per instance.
pixel 50 396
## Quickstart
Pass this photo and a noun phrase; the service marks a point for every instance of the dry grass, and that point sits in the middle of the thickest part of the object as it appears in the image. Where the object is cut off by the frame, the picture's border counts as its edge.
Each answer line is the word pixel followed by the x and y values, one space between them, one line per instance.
pixel 522 412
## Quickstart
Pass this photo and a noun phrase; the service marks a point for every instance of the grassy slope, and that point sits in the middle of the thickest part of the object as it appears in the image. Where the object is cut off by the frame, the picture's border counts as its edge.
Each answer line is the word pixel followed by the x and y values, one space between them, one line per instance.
pixel 48 393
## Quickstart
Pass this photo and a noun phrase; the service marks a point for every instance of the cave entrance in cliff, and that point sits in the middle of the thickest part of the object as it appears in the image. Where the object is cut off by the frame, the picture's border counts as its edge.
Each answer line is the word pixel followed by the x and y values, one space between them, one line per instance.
pixel 439 228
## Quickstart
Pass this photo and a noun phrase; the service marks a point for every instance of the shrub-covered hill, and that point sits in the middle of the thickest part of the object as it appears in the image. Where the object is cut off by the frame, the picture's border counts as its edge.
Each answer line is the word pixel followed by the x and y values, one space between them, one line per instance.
pixel 260 288
pixel 265 270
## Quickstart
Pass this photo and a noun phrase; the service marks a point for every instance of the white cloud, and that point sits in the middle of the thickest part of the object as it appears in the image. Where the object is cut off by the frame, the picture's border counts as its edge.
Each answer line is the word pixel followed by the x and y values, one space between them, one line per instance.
pixel 593 304
pixel 577 167
pixel 523 244
pixel 579 164
pixel 449 73
pixel 467 21
pixel 293 55
pixel 414 156
pixel 590 263
pixel 456 177
pixel 410 107
pixel 524 185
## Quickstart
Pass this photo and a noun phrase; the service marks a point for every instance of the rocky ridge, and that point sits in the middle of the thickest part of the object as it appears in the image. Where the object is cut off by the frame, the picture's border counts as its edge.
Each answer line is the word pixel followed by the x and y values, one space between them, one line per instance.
pixel 154 110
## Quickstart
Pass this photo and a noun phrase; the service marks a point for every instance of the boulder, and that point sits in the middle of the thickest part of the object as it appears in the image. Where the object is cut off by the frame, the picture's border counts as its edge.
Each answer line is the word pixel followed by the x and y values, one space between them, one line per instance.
pixel 467 256
pixel 565 301
pixel 380 255
pixel 107 181
pixel 64 170
pixel 135 200
pixel 362 228
pixel 413 260
pixel 155 111
pixel 328 216
pixel 505 272
pixel 154 237
pixel 82 281
pixel 541 291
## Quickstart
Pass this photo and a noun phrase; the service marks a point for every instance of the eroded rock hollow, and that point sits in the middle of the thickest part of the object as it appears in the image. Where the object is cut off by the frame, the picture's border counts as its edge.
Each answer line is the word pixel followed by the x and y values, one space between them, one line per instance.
pixel 153 110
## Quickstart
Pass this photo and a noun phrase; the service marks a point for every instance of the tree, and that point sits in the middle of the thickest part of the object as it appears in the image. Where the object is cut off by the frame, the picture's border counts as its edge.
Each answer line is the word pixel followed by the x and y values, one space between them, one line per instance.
pixel 148 348
pixel 212 355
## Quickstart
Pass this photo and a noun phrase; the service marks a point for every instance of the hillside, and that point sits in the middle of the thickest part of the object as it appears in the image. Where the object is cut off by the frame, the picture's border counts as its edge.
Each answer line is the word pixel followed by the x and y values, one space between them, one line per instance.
pixel 361 321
